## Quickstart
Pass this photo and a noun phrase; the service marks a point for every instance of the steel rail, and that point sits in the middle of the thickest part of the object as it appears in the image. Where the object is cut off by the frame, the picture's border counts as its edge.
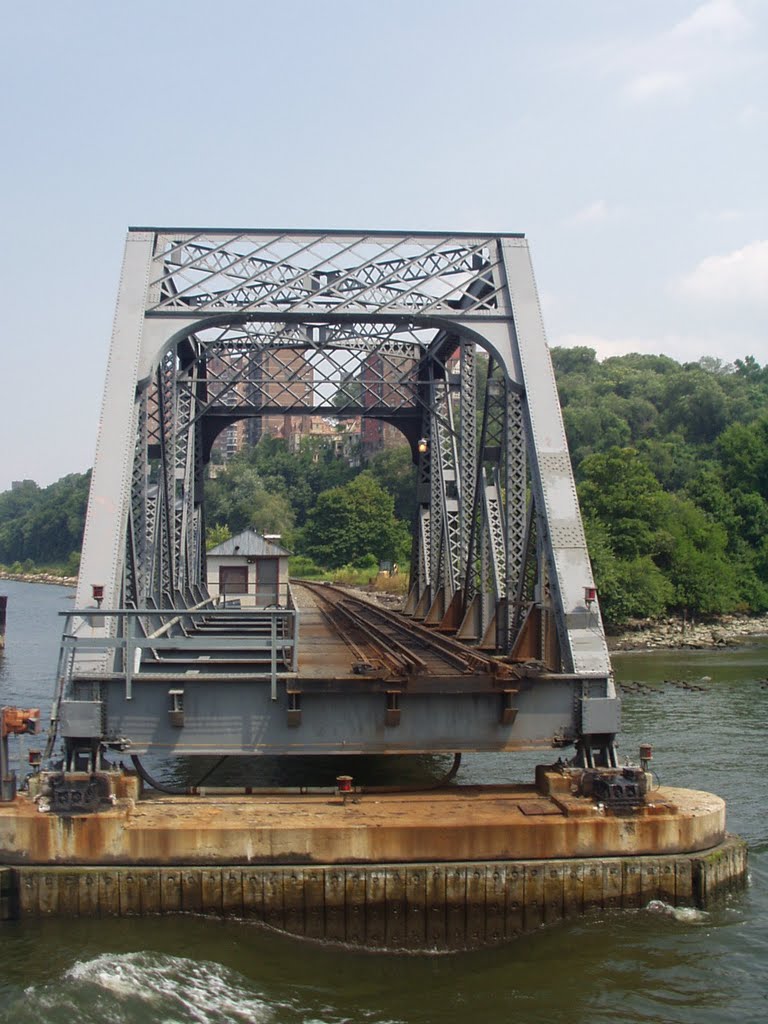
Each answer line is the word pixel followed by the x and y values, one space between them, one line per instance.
pixel 397 657
pixel 390 646
pixel 370 617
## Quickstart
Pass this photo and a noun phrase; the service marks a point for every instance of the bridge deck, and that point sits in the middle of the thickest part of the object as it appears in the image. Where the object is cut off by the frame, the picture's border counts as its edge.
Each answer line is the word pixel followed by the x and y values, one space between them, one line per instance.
pixel 329 674
pixel 323 653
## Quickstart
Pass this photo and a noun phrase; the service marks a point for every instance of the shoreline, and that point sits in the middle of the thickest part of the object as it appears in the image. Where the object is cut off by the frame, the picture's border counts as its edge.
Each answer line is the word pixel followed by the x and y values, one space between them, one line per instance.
pixel 665 634
pixel 38 577
pixel 668 634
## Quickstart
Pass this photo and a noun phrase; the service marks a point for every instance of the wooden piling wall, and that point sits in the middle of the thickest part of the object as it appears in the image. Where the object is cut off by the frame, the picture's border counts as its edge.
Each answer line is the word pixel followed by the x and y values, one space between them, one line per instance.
pixel 402 906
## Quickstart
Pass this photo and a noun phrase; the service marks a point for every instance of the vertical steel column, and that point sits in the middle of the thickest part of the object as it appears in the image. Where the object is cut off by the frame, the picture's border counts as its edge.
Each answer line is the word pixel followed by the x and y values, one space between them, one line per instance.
pixel 560 531
pixel 136 577
pixel 167 394
pixel 450 495
pixel 104 539
pixel 516 503
pixel 467 451
pixel 436 507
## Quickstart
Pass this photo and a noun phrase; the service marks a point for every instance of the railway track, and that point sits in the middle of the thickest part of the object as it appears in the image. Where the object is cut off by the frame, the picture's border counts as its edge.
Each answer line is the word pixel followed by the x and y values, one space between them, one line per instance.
pixel 386 639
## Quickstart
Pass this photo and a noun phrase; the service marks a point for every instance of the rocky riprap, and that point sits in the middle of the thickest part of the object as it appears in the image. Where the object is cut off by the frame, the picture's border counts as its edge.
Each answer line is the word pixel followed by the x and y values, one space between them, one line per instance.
pixel 725 631
pixel 39 577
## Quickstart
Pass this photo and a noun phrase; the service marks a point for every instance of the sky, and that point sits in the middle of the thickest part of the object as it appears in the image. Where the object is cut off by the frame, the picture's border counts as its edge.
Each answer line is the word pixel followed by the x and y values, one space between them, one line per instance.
pixel 628 139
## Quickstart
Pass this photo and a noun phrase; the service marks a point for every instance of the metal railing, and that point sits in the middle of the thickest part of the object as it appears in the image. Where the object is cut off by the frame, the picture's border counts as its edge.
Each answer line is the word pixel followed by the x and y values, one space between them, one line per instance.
pixel 125 639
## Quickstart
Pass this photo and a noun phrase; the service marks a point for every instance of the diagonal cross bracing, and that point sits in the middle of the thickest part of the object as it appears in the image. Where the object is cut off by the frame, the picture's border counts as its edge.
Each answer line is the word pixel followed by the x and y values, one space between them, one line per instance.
pixel 437 333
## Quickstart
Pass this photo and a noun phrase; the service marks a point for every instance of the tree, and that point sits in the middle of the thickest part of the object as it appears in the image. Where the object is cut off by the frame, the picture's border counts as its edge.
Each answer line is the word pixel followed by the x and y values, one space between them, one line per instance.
pixel 578 359
pixel 43 525
pixel 238 499
pixel 216 535
pixel 620 490
pixel 743 451
pixel 350 522
pixel 628 588
pixel 750 368
pixel 393 468
pixel 696 405
pixel 591 428
pixel 299 475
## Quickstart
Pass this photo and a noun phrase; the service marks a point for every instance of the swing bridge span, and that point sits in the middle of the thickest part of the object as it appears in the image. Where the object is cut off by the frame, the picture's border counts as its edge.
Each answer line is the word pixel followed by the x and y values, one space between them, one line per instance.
pixel 500 645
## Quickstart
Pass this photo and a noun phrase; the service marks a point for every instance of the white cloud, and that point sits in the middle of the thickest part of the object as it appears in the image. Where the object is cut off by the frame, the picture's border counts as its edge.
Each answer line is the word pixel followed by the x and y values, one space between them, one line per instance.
pixel 597 212
pixel 740 276
pixel 659 84
pixel 717 18
pixel 672 64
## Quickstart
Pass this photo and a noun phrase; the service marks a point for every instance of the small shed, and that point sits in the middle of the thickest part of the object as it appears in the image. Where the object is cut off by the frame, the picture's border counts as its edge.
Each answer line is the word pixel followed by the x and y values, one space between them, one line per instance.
pixel 251 569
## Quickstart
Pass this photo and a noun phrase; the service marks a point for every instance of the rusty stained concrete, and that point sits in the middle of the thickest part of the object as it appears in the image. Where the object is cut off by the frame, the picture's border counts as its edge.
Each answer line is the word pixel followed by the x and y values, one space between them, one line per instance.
pixel 460 823
pixel 414 906
pixel 455 905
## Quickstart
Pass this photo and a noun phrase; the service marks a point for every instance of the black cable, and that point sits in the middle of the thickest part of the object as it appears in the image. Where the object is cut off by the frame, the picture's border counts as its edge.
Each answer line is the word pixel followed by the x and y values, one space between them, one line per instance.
pixel 146 777
pixel 451 774
pixel 162 788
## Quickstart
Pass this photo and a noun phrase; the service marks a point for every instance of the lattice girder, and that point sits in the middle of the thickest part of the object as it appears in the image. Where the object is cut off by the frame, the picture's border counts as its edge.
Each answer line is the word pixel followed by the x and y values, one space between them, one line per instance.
pixel 356 324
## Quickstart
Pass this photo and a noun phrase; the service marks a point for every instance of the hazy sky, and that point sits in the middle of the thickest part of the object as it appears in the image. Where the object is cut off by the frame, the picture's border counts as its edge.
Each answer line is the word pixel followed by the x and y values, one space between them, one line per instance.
pixel 627 138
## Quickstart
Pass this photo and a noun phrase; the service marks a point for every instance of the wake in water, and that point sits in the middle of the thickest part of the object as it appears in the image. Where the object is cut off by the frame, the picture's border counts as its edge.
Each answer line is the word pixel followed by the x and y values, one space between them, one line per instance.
pixel 143 987
pixel 688 915
pixel 155 988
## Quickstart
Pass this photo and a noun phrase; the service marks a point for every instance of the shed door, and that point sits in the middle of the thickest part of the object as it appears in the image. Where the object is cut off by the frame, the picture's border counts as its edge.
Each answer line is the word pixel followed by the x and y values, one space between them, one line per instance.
pixel 266 582
pixel 233 579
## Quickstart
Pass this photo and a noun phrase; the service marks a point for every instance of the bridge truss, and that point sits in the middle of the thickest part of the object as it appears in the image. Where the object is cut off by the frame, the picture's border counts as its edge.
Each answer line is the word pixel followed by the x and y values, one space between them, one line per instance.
pixel 213 326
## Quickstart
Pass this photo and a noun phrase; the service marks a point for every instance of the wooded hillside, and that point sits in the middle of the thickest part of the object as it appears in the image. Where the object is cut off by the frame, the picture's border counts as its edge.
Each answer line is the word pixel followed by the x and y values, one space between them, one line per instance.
pixel 671 463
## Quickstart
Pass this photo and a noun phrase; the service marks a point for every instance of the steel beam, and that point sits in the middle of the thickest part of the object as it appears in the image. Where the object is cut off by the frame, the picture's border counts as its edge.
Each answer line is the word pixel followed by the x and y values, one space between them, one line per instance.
pixel 214 326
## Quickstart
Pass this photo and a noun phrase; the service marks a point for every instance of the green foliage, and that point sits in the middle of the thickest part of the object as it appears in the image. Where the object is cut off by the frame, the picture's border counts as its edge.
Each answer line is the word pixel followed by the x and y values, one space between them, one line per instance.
pixel 303 567
pixel 676 511
pixel 743 453
pixel 215 535
pixel 671 462
pixel 298 476
pixel 620 490
pixel 351 521
pixel 239 498
pixel 393 468
pixel 42 526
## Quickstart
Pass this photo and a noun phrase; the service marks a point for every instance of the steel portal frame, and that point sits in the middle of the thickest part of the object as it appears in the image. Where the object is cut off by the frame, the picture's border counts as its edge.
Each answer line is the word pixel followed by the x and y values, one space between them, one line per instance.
pixel 214 325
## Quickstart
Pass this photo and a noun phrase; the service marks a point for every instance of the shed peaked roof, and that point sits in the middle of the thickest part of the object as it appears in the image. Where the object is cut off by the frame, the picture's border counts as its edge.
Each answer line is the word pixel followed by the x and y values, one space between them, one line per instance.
pixel 249 543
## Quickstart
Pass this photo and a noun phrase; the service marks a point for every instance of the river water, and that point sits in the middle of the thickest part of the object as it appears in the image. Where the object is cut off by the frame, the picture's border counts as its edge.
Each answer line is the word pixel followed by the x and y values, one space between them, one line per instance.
pixel 650 965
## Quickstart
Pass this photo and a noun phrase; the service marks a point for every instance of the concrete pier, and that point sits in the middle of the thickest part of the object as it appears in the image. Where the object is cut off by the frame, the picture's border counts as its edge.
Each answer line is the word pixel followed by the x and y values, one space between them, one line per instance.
pixel 461 823
pixel 453 868
pixel 453 905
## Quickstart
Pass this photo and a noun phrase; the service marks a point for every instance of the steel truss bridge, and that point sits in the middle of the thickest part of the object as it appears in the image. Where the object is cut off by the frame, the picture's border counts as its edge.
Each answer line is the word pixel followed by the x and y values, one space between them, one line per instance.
pixel 213 326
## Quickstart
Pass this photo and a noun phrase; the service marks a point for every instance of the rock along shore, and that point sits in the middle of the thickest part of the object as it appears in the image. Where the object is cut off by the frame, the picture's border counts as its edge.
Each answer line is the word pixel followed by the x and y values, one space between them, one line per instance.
pixel 724 631
pixel 39 577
